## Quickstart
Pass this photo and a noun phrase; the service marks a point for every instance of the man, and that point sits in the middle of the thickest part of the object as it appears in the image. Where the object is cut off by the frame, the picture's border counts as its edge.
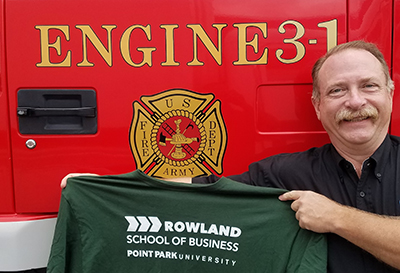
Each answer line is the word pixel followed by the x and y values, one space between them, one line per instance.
pixel 352 98
pixel 349 189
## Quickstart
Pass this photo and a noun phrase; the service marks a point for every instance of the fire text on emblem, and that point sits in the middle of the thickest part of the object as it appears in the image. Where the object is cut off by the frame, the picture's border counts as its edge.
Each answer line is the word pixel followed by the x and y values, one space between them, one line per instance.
pixel 178 133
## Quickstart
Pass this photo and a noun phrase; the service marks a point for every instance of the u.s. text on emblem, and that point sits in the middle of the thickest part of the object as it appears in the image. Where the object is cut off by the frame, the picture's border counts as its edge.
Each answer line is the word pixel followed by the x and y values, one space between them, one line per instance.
pixel 178 133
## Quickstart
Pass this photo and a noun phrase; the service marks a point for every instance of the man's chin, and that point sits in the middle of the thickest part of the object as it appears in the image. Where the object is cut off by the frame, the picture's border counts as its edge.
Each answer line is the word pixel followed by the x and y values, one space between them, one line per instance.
pixel 360 137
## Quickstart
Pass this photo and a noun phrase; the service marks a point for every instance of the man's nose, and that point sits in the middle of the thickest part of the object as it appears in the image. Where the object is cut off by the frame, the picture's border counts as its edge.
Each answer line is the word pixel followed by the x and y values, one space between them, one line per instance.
pixel 355 98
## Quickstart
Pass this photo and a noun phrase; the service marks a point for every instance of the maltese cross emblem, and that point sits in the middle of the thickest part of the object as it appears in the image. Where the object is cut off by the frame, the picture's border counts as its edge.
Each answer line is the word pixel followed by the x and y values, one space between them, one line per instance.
pixel 178 133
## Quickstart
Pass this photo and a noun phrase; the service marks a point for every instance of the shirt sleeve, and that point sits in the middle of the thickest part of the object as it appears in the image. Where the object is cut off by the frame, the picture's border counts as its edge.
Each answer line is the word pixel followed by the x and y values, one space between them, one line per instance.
pixel 283 171
pixel 258 174
pixel 65 255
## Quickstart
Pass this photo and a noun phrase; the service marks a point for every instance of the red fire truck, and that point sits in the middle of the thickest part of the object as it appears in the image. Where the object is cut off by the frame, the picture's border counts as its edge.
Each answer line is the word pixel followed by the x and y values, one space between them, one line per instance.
pixel 175 88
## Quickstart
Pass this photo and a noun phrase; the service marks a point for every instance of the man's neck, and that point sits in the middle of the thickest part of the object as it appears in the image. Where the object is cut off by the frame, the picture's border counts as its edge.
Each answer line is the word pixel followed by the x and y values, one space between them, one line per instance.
pixel 357 154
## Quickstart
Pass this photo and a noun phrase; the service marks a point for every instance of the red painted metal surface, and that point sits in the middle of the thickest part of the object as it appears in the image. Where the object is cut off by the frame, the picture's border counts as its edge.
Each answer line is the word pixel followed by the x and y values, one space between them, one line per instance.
pixel 254 57
pixel 6 182
pixel 395 125
pixel 25 217
pixel 266 107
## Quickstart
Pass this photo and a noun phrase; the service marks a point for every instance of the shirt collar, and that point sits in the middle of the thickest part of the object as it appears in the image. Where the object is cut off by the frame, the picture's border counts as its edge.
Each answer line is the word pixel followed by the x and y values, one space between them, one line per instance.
pixel 383 150
pixel 379 157
pixel 337 157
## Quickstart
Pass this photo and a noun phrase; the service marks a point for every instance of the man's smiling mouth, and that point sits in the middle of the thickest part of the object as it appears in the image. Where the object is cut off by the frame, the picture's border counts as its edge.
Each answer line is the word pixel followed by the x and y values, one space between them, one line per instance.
pixel 356 119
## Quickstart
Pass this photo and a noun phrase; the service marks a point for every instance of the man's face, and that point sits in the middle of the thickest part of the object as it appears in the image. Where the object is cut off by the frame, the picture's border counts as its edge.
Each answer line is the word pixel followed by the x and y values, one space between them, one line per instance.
pixel 354 105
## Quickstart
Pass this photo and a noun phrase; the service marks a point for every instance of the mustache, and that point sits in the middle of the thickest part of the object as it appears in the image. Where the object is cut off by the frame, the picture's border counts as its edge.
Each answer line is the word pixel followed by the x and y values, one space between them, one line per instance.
pixel 351 115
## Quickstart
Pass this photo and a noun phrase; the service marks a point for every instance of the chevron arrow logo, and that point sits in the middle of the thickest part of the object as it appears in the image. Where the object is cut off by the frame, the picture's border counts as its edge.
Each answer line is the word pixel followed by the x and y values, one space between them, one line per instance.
pixel 143 223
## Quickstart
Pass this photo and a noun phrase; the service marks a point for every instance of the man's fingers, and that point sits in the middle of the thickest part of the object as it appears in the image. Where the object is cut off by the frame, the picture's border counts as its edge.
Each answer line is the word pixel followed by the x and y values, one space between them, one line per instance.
pixel 291 195
pixel 64 180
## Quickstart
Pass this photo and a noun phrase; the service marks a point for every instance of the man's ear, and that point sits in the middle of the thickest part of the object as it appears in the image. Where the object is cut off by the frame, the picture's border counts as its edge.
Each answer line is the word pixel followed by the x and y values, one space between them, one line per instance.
pixel 316 103
pixel 391 94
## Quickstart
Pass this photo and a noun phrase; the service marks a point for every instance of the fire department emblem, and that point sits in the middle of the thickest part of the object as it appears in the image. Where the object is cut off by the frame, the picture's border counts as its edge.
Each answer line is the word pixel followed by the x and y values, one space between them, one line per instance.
pixel 178 133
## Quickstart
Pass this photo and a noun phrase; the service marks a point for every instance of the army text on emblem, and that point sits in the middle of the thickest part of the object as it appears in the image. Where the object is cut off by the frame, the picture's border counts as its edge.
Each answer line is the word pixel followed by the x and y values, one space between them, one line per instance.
pixel 178 133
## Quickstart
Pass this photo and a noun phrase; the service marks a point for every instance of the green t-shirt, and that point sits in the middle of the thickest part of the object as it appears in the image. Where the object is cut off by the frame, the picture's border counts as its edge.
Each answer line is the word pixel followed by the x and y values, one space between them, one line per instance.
pixel 136 223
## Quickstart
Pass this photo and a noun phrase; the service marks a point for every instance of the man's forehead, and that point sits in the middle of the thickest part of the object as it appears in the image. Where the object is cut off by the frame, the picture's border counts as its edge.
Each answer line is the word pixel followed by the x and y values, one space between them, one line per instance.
pixel 351 63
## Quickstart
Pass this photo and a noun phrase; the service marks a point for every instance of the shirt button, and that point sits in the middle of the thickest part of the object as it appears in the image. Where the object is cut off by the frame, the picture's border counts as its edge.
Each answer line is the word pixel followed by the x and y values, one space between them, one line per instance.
pixel 362 194
pixel 378 175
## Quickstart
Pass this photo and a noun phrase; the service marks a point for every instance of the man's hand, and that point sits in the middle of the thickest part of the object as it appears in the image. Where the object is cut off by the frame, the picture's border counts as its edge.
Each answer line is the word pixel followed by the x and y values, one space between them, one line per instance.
pixel 313 211
pixel 64 180
pixel 377 234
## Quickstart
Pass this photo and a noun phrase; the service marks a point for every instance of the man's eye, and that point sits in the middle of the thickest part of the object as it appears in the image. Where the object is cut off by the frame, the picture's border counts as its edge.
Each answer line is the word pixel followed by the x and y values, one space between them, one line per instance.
pixel 371 87
pixel 336 91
